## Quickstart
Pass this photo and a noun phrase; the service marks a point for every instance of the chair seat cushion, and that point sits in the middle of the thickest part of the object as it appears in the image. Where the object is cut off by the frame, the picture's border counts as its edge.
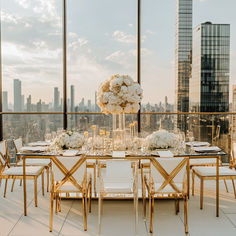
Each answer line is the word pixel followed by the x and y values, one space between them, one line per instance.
pixel 68 186
pixel 118 187
pixel 168 188
pixel 35 162
pixel 202 161
pixel 211 171
pixel 18 171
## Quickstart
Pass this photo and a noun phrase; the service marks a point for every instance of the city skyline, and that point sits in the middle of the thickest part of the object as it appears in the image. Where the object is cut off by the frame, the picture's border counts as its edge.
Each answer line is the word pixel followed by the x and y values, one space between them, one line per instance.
pixel 31 41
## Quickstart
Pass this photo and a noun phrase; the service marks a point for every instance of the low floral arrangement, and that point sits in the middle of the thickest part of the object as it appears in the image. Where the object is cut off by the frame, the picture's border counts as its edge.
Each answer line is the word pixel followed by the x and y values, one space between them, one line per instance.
pixel 160 139
pixel 119 94
pixel 69 139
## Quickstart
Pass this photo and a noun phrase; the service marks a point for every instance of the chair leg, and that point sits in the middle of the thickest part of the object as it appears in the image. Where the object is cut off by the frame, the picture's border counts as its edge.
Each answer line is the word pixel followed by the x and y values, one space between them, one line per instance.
pixel 99 214
pixel 193 178
pixel 21 182
pixel 226 187
pixel 94 181
pixel 201 193
pixel 5 189
pixel 51 212
pixel 176 206
pixel 136 214
pixel 56 203
pixel 35 192
pixel 84 203
pixel 12 185
pixel 143 194
pixel 186 214
pixel 47 170
pixel 234 188
pixel 42 175
pixel 90 194
pixel 151 213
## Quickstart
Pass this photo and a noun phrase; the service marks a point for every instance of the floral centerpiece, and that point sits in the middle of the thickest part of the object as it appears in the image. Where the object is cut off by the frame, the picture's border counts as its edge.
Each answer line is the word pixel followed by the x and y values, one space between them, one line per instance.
pixel 69 139
pixel 160 139
pixel 119 94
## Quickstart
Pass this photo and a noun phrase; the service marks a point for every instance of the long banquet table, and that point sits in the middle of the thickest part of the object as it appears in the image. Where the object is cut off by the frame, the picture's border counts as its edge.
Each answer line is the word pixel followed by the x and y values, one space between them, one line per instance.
pixel 194 155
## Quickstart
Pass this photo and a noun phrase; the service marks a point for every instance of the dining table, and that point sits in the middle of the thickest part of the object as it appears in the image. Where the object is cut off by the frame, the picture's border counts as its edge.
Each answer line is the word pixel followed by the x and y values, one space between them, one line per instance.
pixel 129 156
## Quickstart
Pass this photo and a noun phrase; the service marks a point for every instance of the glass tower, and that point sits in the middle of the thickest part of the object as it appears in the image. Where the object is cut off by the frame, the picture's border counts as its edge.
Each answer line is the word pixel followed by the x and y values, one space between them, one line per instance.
pixel 209 85
pixel 183 47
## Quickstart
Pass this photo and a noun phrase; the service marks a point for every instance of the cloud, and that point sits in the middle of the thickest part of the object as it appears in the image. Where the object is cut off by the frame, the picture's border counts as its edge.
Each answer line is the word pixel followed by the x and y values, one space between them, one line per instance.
pixel 130 25
pixel 150 32
pixel 116 57
pixel 202 0
pixel 122 37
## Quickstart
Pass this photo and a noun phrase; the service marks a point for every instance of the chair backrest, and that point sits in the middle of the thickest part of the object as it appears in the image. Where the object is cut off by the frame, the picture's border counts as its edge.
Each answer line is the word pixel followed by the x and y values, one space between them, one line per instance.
pixel 164 168
pixel 18 143
pixel 69 163
pixel 118 171
pixel 3 151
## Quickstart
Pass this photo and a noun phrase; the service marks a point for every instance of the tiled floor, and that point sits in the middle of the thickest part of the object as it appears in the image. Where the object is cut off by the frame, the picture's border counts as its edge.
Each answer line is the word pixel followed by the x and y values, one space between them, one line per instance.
pixel 118 216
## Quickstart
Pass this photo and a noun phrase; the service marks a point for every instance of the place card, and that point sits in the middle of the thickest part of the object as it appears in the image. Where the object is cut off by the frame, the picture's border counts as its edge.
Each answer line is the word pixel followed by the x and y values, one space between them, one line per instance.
pixel 118 154
pixel 165 153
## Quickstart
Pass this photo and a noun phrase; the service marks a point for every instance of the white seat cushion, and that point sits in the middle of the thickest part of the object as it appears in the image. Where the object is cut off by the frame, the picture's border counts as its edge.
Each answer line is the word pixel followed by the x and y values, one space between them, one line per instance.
pixel 202 161
pixel 35 162
pixel 68 186
pixel 18 171
pixel 211 171
pixel 118 187
pixel 168 188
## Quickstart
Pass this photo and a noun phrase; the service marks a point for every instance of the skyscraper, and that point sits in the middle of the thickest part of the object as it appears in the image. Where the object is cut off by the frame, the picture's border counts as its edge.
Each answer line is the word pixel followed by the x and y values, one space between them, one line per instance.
pixel 209 85
pixel 72 98
pixel 4 101
pixel 183 47
pixel 56 99
pixel 17 96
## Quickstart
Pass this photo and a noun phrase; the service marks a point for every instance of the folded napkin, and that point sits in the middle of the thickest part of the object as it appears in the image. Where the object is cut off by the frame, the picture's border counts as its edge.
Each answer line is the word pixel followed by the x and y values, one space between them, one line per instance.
pixel 39 143
pixel 69 153
pixel 207 149
pixel 165 153
pixel 118 154
pixel 33 149
pixel 197 144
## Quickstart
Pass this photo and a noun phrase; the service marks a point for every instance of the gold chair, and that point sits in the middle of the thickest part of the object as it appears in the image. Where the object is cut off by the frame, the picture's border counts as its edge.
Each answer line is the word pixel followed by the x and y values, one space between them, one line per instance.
pixel 167 180
pixel 46 163
pixel 32 172
pixel 118 179
pixel 69 175
pixel 209 173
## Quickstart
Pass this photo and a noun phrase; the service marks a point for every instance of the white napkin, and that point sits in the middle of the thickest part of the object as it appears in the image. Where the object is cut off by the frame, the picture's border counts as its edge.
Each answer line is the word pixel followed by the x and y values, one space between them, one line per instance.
pixel 207 149
pixel 165 153
pixel 39 143
pixel 197 144
pixel 118 154
pixel 69 153
pixel 34 149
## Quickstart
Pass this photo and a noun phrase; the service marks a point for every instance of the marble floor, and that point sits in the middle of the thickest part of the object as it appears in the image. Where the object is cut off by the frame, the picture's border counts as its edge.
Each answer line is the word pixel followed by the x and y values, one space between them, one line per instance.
pixel 118 215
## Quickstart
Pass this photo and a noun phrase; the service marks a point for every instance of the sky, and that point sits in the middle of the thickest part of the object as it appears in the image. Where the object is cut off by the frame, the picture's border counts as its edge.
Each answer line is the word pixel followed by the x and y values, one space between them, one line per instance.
pixel 101 42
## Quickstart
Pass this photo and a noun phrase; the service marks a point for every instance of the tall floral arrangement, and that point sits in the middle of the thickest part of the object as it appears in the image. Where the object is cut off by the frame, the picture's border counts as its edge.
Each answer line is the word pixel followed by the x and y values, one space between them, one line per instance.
pixel 69 139
pixel 119 94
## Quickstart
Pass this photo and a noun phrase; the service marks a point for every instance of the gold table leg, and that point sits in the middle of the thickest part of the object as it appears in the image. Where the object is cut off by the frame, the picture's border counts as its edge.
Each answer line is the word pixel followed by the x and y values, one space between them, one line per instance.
pixel 24 187
pixel 217 187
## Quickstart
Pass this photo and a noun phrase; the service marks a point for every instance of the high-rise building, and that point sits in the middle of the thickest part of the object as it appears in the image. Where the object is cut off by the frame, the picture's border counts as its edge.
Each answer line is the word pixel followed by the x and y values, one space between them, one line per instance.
pixel 4 101
pixel 56 99
pixel 183 47
pixel 28 104
pixel 209 84
pixel 89 105
pixel 72 98
pixel 17 96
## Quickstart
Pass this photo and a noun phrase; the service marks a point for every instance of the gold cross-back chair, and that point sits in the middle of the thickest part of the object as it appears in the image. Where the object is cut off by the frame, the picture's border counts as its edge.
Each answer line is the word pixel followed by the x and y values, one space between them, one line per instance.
pixel 32 172
pixel 167 180
pixel 69 175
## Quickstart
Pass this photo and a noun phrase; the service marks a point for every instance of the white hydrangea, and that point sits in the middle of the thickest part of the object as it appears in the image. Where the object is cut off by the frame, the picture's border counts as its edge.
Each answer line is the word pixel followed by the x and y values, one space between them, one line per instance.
pixel 119 94
pixel 160 139
pixel 69 139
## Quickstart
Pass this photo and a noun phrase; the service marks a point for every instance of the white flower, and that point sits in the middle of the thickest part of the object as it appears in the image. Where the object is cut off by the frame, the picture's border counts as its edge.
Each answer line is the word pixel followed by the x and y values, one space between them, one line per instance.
pixel 119 94
pixel 160 139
